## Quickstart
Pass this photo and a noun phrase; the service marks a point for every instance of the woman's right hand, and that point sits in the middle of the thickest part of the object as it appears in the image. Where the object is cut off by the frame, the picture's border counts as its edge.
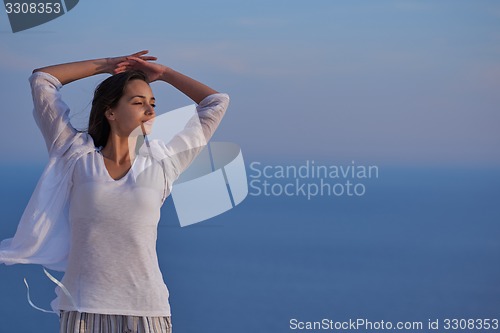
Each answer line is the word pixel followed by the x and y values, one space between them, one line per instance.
pixel 115 65
pixel 153 70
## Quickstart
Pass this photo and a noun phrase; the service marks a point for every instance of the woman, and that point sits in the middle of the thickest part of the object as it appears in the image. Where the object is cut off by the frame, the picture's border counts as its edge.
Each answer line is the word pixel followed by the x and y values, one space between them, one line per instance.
pixel 109 188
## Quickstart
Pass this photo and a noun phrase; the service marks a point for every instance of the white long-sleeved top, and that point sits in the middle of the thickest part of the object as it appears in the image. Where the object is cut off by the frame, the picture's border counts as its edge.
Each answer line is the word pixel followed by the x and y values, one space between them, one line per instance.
pixel 99 231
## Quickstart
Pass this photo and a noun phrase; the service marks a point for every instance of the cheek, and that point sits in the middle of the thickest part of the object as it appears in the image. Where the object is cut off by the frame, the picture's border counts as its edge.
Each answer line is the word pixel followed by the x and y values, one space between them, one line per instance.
pixel 127 116
pixel 130 122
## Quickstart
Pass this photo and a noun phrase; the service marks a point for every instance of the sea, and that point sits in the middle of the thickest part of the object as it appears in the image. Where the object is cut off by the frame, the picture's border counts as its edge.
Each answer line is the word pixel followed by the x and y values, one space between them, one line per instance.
pixel 417 251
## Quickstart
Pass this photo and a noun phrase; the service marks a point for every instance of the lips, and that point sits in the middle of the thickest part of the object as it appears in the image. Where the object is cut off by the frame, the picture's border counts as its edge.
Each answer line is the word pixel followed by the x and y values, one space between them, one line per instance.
pixel 147 126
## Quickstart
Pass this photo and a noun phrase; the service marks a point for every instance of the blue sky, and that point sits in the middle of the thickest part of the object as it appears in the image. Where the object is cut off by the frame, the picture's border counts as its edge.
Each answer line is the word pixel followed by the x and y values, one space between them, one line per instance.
pixel 384 82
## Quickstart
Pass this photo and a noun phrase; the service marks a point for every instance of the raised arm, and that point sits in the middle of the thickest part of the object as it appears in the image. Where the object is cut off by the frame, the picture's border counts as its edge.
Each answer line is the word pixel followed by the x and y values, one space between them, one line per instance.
pixel 69 72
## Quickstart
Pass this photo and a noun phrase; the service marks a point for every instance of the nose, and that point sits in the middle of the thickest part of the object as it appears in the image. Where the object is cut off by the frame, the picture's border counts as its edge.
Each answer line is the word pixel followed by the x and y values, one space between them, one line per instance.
pixel 150 111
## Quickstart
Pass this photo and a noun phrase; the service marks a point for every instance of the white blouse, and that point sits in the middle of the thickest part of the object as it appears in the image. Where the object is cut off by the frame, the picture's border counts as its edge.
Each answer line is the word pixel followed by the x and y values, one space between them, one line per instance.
pixel 102 232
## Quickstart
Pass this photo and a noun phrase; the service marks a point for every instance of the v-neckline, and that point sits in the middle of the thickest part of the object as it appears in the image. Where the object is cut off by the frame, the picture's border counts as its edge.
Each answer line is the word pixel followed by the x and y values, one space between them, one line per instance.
pixel 107 171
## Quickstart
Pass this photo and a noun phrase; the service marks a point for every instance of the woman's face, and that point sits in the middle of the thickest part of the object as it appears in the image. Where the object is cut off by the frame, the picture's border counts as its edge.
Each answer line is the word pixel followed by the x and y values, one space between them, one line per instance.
pixel 134 108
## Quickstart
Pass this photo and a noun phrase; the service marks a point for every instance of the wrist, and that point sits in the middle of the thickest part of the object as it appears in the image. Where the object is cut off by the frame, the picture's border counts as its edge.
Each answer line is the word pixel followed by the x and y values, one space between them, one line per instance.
pixel 167 74
pixel 107 66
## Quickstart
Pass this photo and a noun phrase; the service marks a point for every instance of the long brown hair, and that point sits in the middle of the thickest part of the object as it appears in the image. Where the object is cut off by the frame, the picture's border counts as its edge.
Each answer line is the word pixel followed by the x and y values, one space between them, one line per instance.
pixel 106 95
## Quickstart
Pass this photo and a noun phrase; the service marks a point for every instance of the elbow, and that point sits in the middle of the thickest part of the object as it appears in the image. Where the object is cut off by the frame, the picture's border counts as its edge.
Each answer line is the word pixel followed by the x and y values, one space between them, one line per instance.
pixel 41 69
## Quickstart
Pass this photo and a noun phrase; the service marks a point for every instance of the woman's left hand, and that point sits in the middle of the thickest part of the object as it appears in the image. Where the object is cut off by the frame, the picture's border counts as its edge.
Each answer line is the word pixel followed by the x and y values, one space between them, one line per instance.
pixel 153 70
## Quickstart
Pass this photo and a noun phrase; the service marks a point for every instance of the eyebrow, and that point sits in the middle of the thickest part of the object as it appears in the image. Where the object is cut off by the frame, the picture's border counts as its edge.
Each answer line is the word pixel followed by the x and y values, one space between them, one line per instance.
pixel 140 97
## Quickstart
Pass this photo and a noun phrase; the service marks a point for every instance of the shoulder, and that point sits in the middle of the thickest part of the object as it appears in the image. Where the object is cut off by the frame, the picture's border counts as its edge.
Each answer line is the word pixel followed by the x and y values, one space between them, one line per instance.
pixel 155 149
pixel 80 144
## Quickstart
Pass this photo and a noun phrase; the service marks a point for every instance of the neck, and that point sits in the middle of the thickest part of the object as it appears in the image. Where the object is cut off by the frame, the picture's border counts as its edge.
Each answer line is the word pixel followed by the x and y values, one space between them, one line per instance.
pixel 119 149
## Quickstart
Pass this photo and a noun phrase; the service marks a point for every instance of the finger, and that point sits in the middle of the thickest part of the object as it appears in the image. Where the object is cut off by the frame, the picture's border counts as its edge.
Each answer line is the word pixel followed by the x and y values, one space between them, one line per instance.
pixel 123 67
pixel 136 62
pixel 140 53
pixel 123 63
pixel 136 59
pixel 149 58
pixel 120 70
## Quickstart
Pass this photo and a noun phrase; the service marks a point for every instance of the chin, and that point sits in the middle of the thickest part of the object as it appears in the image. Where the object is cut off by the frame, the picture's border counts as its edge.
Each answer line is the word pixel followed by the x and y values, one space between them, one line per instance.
pixel 145 128
pixel 148 129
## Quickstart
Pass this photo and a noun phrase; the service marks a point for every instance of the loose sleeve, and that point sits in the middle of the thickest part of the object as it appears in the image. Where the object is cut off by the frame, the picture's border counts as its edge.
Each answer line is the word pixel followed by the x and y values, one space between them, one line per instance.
pixel 183 148
pixel 50 112
pixel 43 233
pixel 210 112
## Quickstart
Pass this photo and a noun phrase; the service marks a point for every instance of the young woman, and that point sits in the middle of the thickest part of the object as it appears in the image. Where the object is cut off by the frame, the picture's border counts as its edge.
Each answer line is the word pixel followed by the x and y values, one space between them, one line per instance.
pixel 95 211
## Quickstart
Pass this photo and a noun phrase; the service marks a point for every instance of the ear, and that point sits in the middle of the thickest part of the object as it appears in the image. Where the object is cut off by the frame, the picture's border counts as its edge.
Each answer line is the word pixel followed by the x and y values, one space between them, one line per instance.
pixel 110 115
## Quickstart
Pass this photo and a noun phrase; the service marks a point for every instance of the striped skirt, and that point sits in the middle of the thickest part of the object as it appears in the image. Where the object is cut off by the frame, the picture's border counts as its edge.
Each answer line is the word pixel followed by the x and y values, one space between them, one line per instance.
pixel 82 322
